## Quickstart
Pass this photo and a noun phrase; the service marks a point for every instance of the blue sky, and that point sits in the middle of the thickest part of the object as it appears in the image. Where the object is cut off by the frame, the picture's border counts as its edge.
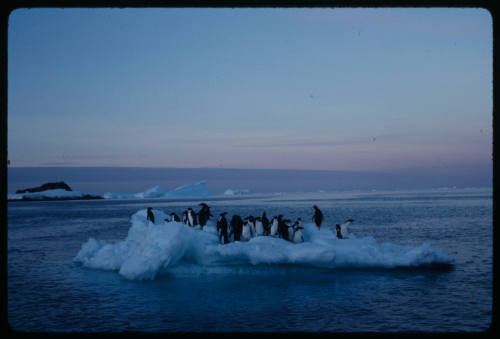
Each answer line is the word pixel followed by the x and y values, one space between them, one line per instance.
pixel 327 89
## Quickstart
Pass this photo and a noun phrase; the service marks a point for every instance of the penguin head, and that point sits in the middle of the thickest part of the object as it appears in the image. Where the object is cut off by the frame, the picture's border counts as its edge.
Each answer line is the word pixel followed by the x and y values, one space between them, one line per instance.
pixel 315 207
pixel 337 226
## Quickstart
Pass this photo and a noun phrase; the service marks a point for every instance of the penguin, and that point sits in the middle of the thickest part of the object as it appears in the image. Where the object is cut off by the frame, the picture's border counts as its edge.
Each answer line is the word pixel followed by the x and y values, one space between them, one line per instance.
pixel 318 216
pixel 297 233
pixel 221 216
pixel 259 228
pixel 204 214
pixel 289 229
pixel 207 211
pixel 191 217
pixel 251 224
pixel 166 220
pixel 151 216
pixel 344 230
pixel 339 233
pixel 175 217
pixel 201 216
pixel 222 228
pixel 236 227
pixel 274 227
pixel 265 224
pixel 282 228
pixel 246 233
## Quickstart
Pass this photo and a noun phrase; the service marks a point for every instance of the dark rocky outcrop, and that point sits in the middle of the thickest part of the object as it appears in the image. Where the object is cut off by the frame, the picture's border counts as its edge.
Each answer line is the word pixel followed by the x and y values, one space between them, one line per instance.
pixel 45 187
pixel 84 197
pixel 52 186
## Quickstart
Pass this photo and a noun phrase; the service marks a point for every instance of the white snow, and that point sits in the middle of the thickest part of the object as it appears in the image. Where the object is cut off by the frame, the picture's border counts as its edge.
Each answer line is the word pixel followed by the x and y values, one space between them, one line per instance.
pixel 197 190
pixel 150 249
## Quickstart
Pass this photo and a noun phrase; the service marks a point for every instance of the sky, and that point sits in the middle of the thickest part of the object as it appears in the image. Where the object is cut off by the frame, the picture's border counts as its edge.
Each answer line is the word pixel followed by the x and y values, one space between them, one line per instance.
pixel 343 89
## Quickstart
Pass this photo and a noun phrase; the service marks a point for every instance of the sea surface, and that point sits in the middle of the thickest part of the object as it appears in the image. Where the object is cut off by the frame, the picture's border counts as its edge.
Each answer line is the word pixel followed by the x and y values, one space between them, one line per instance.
pixel 48 291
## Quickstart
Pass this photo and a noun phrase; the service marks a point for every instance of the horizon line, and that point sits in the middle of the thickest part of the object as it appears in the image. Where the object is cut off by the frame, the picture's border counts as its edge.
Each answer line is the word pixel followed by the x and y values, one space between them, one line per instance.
pixel 231 168
pixel 253 169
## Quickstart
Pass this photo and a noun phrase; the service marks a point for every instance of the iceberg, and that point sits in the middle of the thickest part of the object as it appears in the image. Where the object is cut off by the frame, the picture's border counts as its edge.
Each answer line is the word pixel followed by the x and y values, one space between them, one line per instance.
pixel 113 195
pixel 154 192
pixel 150 249
pixel 237 192
pixel 197 190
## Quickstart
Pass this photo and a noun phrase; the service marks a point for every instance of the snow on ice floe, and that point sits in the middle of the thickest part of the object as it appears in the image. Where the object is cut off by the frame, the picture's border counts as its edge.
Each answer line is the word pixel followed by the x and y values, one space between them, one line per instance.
pixel 197 190
pixel 150 249
pixel 237 192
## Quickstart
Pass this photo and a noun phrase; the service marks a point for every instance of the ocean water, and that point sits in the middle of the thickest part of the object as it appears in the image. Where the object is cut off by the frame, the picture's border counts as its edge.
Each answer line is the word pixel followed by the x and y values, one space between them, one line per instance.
pixel 251 290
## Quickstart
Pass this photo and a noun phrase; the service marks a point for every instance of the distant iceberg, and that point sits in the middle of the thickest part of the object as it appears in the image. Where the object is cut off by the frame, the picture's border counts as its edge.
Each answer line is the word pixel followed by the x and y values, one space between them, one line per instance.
pixel 197 190
pixel 154 192
pixel 237 192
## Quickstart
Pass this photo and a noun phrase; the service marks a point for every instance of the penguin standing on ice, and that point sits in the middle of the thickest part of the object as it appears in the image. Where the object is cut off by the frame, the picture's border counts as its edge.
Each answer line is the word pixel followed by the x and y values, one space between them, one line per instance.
pixel 191 217
pixel 247 231
pixel 151 216
pixel 175 217
pixel 259 228
pixel 318 216
pixel 339 233
pixel 185 219
pixel 222 228
pixel 204 214
pixel 344 232
pixel 251 224
pixel 265 224
pixel 236 227
pixel 297 233
pixel 201 216
pixel 282 228
pixel 273 232
pixel 289 229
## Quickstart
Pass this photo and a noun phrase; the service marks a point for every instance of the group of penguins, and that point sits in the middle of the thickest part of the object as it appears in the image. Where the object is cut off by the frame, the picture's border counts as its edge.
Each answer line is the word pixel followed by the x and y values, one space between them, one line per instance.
pixel 249 227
